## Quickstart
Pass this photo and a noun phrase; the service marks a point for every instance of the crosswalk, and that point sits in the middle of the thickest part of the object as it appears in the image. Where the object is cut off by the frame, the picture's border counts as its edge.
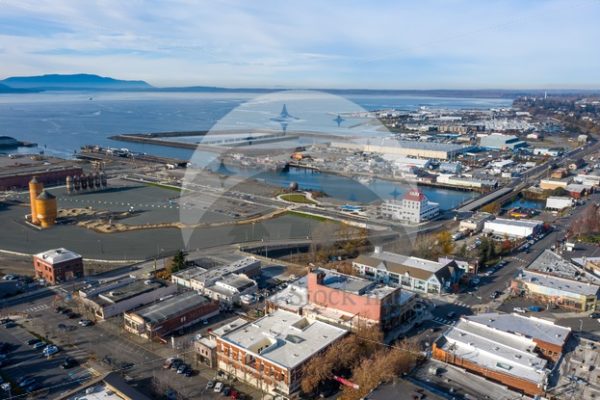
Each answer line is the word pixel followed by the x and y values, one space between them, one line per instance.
pixel 39 307
pixel 443 321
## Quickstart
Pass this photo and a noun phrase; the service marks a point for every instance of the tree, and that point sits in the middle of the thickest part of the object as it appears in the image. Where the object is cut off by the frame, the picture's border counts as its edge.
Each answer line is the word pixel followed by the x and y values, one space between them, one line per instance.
pixel 492 208
pixel 445 242
pixel 178 263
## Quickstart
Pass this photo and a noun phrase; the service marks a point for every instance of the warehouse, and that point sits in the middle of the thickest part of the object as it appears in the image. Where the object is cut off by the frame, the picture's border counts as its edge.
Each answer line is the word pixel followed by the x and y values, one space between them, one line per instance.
pixel 442 151
pixel 513 228
pixel 558 202
pixel 498 141
pixel 475 222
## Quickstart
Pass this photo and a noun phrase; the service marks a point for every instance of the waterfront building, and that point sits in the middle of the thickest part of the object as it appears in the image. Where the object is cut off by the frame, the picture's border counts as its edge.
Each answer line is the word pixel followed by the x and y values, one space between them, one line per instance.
pixel 433 150
pixel 414 208
pixel 498 141
pixel 58 265
pixel 558 202
pixel 475 222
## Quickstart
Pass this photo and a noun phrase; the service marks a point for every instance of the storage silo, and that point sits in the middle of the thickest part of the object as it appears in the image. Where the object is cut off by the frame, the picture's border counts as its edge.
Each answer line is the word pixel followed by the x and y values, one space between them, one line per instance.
pixel 46 208
pixel 69 184
pixel 35 188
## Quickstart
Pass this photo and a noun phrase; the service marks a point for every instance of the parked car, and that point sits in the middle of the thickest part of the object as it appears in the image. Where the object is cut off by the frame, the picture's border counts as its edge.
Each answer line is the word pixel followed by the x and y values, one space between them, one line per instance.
pixel 235 395
pixel 33 341
pixel 188 372
pixel 168 362
pixel 69 362
pixel 218 387
pixel 50 350
pixel 30 380
pixel 210 384
pixel 85 322
pixel 39 345
pixel 182 368
pixel 535 308
pixel 226 391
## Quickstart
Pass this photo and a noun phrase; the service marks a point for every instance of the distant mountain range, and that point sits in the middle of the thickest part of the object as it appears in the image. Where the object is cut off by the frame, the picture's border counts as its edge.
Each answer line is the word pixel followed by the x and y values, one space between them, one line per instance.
pixel 72 82
pixel 89 82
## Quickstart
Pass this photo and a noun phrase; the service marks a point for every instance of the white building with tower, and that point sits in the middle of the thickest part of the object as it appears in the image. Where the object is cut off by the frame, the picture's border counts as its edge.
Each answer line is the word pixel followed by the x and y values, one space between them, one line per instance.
pixel 414 208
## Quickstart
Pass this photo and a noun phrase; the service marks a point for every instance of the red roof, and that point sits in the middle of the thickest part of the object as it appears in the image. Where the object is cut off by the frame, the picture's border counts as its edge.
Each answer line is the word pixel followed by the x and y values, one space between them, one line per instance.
pixel 414 195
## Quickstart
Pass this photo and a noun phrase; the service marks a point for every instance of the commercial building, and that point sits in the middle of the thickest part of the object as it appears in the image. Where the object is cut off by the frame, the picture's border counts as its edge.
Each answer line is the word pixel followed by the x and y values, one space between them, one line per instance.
pixel 514 350
pixel 590 179
pixel 412 273
pixel 414 207
pixel 113 298
pixel 345 300
pixel 229 289
pixel 433 150
pixel 558 202
pixel 498 141
pixel 58 265
pixel 158 320
pixel 513 228
pixel 198 278
pixel 548 151
pixel 555 291
pixel 475 222
pixel 205 347
pixel 270 353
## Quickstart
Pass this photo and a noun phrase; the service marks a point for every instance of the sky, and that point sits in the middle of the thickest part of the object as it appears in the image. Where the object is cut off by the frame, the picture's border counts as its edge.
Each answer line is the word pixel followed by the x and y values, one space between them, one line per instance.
pixel 444 44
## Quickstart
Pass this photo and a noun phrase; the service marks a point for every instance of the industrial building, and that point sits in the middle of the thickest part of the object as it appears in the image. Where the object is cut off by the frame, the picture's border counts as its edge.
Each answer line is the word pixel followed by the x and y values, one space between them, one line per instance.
pixel 553 184
pixel 169 315
pixel 475 222
pixel 414 207
pixel 466 181
pixel 229 289
pixel 558 203
pixel 498 141
pixel 513 228
pixel 513 350
pixel 271 352
pixel 564 293
pixel 407 164
pixel 116 297
pixel 578 190
pixel 433 150
pixel 19 177
pixel 412 273
pixel 58 266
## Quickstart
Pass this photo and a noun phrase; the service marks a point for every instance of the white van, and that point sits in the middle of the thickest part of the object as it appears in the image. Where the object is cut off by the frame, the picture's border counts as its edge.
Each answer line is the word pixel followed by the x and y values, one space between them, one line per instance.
pixel 218 387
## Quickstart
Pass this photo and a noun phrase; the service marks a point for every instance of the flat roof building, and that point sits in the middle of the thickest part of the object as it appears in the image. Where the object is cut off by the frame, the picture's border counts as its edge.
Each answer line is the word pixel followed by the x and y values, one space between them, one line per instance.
pixel 518 228
pixel 168 315
pixel 58 265
pixel 270 353
pixel 498 141
pixel 116 297
pixel 388 145
pixel 511 349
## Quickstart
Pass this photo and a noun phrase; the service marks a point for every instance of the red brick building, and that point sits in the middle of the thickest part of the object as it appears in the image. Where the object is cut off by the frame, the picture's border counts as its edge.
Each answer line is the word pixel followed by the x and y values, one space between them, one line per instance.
pixel 58 266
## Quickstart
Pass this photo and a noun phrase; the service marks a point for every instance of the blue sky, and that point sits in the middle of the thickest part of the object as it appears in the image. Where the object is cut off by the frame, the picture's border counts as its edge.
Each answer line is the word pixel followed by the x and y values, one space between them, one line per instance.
pixel 309 44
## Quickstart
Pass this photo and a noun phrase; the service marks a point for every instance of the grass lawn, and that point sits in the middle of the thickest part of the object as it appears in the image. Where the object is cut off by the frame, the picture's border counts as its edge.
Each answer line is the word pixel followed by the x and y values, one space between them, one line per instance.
pixel 296 198
pixel 310 216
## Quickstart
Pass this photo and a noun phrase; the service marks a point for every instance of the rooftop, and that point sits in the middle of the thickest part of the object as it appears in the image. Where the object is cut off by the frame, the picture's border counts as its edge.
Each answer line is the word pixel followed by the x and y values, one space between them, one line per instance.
pixel 284 338
pixel 549 262
pixel 530 223
pixel 171 307
pixel 59 255
pixel 401 264
pixel 353 284
pixel 293 297
pixel 130 290
pixel 495 351
pixel 560 284
pixel 409 144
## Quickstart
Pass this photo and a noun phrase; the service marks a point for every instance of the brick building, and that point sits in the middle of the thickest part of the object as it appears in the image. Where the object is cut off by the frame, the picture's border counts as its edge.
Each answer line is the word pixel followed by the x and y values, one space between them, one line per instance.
pixel 58 265
pixel 158 320
pixel 19 177
pixel 270 353
pixel 514 350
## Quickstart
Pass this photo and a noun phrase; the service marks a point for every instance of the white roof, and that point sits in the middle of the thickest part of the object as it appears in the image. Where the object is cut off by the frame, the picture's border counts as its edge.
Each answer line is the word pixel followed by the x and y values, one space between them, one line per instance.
pixel 560 284
pixel 56 256
pixel 530 223
pixel 293 297
pixel 520 325
pixel 508 354
pixel 409 261
pixel 286 339
pixel 549 262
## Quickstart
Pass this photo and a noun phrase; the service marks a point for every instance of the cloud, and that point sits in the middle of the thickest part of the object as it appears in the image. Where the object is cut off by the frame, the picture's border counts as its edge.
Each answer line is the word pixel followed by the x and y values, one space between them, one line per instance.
pixel 384 44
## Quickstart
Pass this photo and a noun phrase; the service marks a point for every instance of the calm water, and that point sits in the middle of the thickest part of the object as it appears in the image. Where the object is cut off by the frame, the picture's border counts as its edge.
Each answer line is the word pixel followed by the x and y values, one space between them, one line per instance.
pixel 63 122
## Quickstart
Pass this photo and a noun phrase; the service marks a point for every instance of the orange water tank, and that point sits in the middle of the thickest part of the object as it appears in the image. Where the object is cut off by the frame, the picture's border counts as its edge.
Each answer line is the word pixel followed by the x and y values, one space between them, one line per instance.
pixel 45 205
pixel 35 188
